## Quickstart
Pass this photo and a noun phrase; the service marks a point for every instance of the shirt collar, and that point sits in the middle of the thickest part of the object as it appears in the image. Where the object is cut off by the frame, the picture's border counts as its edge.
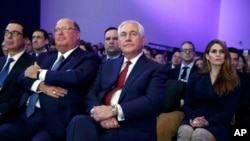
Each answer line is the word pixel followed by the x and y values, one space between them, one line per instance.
pixel 189 65
pixel 133 60
pixel 66 54
pixel 16 56
pixel 117 56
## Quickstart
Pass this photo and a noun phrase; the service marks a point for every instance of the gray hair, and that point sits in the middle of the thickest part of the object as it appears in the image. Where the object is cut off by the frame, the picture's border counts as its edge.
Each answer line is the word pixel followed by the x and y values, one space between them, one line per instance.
pixel 140 27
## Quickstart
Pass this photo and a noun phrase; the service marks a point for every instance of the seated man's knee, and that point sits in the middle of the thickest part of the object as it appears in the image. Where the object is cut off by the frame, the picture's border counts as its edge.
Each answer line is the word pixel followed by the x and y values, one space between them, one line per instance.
pixel 81 119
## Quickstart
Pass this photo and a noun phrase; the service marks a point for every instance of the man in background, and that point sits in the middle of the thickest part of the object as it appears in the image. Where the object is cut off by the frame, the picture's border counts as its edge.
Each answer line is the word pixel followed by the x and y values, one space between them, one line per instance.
pixel 169 122
pixel 112 49
pixel 40 40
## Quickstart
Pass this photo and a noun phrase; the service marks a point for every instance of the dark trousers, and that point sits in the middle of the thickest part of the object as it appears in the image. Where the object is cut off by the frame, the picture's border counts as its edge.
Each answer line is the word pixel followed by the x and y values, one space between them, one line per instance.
pixel 85 128
pixel 25 129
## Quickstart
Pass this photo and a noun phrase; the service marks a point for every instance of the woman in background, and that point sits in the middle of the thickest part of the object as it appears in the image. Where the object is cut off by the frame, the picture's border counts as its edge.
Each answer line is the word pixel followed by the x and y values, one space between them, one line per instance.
pixel 199 63
pixel 211 97
pixel 242 64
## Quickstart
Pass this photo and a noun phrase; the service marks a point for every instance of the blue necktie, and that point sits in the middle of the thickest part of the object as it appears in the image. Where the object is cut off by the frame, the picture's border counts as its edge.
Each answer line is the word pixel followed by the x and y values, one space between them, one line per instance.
pixel 5 70
pixel 58 63
pixel 32 104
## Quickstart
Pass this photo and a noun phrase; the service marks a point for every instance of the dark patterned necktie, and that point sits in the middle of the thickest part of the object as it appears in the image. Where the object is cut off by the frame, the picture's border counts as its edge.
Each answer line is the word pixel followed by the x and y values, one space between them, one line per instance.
pixel 184 73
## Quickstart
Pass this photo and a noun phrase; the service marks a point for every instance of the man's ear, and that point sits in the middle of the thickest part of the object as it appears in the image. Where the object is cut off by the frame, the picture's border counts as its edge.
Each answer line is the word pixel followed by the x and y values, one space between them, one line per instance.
pixel 143 40
pixel 47 41
pixel 25 40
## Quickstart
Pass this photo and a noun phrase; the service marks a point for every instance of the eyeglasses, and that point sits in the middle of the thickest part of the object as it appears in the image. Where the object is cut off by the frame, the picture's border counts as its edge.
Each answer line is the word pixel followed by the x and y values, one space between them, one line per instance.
pixel 63 29
pixel 12 33
pixel 187 50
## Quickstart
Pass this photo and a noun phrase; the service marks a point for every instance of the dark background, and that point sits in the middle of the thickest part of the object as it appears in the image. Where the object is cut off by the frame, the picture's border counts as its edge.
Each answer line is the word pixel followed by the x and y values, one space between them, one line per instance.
pixel 26 11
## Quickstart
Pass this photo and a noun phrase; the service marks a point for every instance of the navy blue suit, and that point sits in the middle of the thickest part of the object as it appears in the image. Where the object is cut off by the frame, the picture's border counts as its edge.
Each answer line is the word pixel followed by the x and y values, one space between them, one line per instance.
pixel 242 116
pixel 75 74
pixel 201 100
pixel 140 100
pixel 11 92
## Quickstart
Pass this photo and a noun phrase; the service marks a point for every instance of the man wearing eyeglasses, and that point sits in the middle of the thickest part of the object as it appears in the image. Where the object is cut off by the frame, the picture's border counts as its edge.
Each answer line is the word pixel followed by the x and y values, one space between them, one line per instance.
pixel 169 122
pixel 15 36
pixel 187 53
pixel 55 86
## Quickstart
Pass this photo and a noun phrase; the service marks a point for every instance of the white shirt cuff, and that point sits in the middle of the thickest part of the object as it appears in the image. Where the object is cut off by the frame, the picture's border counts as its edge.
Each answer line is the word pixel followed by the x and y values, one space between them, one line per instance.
pixel 120 116
pixel 35 85
pixel 42 74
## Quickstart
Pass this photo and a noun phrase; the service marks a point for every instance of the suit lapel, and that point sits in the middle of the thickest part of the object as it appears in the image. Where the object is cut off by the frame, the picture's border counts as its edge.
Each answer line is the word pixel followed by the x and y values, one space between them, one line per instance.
pixel 72 58
pixel 110 73
pixel 2 62
pixel 17 68
pixel 116 68
pixel 137 70
pixel 194 69
pixel 50 60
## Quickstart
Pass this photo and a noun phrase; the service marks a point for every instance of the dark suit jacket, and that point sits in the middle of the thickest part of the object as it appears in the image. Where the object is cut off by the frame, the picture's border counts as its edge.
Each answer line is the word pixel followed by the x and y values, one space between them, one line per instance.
pixel 173 74
pixel 242 116
pixel 104 58
pixel 10 92
pixel 75 74
pixel 175 91
pixel 140 99
pixel 168 66
pixel 201 100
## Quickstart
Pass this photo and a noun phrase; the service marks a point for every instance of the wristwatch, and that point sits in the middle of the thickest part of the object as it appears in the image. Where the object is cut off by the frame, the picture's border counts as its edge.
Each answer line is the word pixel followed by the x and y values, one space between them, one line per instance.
pixel 113 109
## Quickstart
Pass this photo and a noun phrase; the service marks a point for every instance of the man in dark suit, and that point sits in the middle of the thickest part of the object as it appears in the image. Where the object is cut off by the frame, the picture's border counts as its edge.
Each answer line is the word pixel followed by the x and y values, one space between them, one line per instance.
pixel 130 113
pixel 175 61
pixel 187 56
pixel 242 115
pixel 40 40
pixel 58 88
pixel 14 37
pixel 111 46
pixel 169 122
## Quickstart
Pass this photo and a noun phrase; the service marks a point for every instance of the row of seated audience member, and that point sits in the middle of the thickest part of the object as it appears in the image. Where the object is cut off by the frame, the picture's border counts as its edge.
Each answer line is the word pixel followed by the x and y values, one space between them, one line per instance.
pixel 200 96
pixel 65 92
pixel 243 64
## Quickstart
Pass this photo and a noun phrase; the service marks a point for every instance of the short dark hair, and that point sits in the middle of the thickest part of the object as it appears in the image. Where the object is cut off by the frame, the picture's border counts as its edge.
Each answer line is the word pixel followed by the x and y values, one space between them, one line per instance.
pixel 45 33
pixel 233 50
pixel 110 28
pixel 188 42
pixel 25 30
